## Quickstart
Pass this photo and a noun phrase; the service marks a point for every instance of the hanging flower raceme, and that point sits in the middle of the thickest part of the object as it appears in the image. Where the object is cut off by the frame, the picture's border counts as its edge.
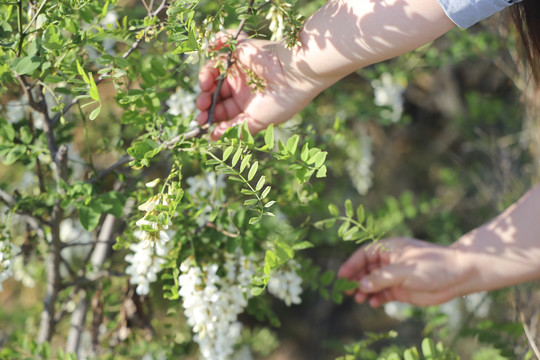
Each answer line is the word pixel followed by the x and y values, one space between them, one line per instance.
pixel 148 254
pixel 7 253
pixel 285 284
pixel 212 303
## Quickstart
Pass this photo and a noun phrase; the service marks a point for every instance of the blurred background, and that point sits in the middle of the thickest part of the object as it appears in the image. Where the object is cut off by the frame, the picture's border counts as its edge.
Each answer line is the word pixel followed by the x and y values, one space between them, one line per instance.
pixel 433 143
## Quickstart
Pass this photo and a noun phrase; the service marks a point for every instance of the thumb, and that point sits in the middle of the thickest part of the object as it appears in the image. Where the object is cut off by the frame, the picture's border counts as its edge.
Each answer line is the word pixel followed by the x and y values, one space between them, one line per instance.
pixel 383 278
pixel 254 125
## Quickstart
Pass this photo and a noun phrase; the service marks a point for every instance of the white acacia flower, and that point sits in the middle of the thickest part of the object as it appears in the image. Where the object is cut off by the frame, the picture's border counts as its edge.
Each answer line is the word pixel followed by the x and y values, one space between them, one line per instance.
pixel 359 166
pixel 389 93
pixel 182 103
pixel 212 303
pixel 285 284
pixel 145 263
pixel 276 26
pixel 7 253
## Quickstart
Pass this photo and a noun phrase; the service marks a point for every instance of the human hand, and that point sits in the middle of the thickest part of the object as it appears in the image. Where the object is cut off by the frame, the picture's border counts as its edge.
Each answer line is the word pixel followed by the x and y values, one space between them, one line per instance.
pixel 286 90
pixel 406 270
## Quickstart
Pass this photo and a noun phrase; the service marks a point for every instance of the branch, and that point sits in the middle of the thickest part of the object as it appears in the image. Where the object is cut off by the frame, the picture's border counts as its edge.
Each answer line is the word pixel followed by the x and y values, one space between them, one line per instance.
pixel 529 336
pixel 35 222
pixel 201 130
pixel 133 47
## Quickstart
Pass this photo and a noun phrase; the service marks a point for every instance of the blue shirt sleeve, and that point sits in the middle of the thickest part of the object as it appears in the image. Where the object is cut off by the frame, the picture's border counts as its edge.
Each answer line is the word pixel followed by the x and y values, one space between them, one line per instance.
pixel 465 13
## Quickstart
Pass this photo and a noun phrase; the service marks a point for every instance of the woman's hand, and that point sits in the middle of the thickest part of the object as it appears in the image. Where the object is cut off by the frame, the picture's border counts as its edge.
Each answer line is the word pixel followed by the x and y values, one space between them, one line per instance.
pixel 406 270
pixel 285 90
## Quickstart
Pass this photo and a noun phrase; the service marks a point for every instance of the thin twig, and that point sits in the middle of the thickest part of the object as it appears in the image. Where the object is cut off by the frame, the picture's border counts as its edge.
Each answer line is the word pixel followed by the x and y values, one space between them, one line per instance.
pixel 530 338
pixel 223 231
pixel 230 62
pixel 34 221
pixel 35 17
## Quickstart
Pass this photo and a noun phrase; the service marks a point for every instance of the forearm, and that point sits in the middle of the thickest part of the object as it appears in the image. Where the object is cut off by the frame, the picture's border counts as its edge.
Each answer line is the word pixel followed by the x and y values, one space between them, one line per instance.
pixel 505 251
pixel 346 35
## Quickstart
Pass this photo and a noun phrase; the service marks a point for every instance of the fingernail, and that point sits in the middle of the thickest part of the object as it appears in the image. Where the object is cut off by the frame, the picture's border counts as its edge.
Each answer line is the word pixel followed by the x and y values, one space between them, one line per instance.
pixel 365 284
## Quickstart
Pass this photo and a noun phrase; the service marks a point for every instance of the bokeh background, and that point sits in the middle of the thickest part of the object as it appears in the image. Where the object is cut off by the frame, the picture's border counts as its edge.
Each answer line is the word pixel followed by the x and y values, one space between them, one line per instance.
pixel 433 143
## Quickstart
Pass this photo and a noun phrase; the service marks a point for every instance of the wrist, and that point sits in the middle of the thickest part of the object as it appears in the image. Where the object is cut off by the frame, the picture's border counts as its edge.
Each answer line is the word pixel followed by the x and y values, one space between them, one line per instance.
pixel 298 70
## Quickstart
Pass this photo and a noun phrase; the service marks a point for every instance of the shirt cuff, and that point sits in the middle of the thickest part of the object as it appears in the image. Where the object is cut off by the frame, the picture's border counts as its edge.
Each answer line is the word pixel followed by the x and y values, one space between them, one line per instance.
pixel 465 13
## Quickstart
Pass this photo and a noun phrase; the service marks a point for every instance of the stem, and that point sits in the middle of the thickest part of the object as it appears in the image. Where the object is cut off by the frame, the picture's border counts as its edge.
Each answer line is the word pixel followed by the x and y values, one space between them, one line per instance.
pixel 201 130
pixel 59 157
pixel 19 27
pixel 223 76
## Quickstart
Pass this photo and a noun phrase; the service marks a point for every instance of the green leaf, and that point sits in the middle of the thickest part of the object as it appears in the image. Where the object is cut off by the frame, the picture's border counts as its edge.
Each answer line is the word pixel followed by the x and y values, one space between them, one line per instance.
pixel 254 220
pixel 333 209
pixel 139 149
pixel 253 170
pixel 245 162
pixel 113 203
pixel 327 278
pixel 269 137
pixel 228 151
pixel 250 202
pixel 360 214
pixel 270 259
pixel 94 114
pixel 302 245
pixel 270 203
pixel 292 144
pixel 7 131
pixel 411 354
pixel 265 192
pixel 27 65
pixel 81 72
pixel 284 251
pixel 320 158
pixel 90 214
pixel 256 291
pixel 236 156
pixel 246 134
pixel 321 172
pixel 351 234
pixel 349 208
pixel 343 228
pixel 26 136
pixel 304 155
pixel 14 154
pixel 343 285
pixel 94 94
pixel 5 30
pixel 260 183
pixel 428 349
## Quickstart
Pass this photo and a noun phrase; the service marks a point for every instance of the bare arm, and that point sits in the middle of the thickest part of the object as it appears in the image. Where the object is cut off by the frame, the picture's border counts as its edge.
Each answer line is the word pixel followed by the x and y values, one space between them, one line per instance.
pixel 503 252
pixel 341 37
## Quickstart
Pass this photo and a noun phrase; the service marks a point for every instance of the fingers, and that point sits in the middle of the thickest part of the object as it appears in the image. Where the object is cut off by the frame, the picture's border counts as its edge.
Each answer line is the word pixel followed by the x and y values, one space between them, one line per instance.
pixel 355 263
pixel 254 125
pixel 383 278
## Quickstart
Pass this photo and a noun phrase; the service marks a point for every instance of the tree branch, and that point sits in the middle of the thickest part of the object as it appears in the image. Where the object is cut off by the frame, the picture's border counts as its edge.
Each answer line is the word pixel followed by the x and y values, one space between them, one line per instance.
pixel 35 222
pixel 59 157
pixel 201 130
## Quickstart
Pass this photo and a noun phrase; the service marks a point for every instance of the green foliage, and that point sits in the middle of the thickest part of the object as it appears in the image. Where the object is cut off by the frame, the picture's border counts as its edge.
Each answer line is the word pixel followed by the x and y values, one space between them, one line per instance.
pixel 134 168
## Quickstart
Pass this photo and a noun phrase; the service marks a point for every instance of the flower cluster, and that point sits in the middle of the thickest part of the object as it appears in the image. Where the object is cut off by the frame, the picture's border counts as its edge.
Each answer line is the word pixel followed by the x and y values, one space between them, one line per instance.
pixel 359 165
pixel 276 23
pixel 389 93
pixel 285 284
pixel 182 103
pixel 148 254
pixel 212 303
pixel 145 263
pixel 206 188
pixel 7 252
